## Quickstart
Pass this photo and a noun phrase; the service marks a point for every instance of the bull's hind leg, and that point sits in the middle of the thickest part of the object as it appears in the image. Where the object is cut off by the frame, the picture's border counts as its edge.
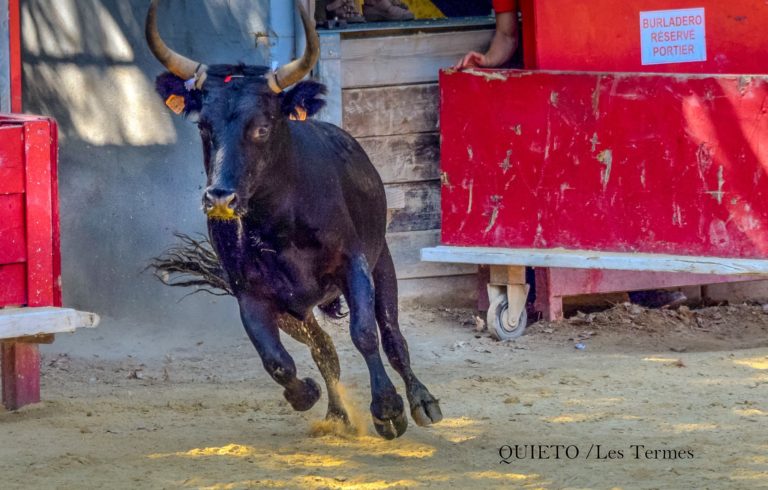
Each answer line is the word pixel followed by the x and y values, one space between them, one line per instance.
pixel 260 323
pixel 386 405
pixel 324 354
pixel 425 409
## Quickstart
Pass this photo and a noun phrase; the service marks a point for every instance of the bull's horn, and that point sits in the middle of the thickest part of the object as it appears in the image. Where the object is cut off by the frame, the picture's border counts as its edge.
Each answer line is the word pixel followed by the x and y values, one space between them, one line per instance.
pixel 294 71
pixel 179 65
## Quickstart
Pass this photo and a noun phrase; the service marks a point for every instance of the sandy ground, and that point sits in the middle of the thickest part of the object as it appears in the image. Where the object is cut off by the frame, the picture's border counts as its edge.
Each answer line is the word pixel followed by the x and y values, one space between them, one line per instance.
pixel 693 383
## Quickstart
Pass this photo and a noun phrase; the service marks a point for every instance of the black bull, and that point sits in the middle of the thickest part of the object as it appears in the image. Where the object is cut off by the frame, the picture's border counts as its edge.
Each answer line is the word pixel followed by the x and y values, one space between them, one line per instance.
pixel 297 217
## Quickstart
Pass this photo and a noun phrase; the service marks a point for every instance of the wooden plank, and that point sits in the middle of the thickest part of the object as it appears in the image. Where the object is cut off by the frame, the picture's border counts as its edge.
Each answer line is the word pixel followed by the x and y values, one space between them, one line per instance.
pixel 27 322
pixel 20 371
pixel 11 159
pixel 13 285
pixel 584 259
pixel 572 282
pixel 13 246
pixel 406 158
pixel 405 248
pixel 387 111
pixel 398 60
pixel 39 214
pixel 504 274
pixel 421 210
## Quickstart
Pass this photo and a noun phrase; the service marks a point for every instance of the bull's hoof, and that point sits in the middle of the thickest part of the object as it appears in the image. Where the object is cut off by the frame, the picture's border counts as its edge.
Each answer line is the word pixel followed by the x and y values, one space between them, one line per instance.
pixel 304 396
pixel 391 428
pixel 389 417
pixel 426 412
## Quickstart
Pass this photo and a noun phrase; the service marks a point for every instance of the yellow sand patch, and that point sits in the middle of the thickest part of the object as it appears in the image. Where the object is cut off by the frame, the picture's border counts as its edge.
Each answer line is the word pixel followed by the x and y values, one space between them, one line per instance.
pixel 456 423
pixel 311 482
pixel 357 419
pixel 573 418
pixel 693 427
pixel 661 359
pixel 244 451
pixel 750 412
pixel 754 363
pixel 376 446
pixel 495 475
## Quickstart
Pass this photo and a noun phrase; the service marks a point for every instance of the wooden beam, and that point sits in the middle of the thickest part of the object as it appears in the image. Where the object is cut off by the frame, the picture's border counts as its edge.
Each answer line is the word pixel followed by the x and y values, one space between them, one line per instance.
pixel 422 207
pixel 20 371
pixel 27 322
pixel 406 158
pixel 386 111
pixel 584 259
pixel 398 60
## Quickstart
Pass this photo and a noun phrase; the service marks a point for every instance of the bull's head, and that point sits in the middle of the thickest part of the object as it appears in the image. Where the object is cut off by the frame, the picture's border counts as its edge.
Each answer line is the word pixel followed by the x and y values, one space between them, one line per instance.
pixel 242 111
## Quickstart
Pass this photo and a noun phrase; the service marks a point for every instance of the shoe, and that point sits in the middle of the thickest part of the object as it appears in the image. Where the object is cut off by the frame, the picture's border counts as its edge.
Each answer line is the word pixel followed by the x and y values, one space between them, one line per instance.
pixel 344 10
pixel 386 10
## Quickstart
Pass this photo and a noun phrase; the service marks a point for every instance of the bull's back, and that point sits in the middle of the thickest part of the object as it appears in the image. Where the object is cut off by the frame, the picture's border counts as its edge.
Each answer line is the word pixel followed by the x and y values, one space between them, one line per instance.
pixel 339 169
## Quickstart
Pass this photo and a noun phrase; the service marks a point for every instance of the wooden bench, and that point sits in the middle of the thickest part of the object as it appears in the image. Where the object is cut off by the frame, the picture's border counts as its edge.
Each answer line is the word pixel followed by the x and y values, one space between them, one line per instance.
pixel 21 331
pixel 508 291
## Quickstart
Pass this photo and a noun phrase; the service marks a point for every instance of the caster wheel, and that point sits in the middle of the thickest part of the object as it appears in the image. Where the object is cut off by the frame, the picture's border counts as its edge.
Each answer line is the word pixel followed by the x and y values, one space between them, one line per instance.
pixel 499 323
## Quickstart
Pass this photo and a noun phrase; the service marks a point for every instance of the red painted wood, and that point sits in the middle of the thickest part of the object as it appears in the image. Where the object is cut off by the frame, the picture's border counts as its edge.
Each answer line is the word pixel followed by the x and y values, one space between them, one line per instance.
pixel 56 223
pixel 528 33
pixel 30 261
pixel 13 285
pixel 604 35
pixel 39 217
pixel 13 243
pixel 20 373
pixel 547 302
pixel 11 160
pixel 622 163
pixel 14 28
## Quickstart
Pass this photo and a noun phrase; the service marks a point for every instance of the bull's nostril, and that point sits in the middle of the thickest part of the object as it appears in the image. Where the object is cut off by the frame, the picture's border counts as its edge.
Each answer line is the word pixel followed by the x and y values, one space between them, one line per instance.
pixel 231 201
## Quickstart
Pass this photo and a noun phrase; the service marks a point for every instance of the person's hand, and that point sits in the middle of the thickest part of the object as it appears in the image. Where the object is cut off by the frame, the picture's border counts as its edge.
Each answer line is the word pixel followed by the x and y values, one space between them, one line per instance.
pixel 473 59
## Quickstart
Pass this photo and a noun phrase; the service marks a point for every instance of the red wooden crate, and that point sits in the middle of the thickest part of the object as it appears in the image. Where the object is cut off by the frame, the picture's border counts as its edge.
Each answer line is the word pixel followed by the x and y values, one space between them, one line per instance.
pixel 606 162
pixel 30 262
pixel 604 35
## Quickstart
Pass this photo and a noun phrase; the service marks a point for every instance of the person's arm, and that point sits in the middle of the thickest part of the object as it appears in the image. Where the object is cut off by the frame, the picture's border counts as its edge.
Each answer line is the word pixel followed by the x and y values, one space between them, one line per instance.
pixel 502 48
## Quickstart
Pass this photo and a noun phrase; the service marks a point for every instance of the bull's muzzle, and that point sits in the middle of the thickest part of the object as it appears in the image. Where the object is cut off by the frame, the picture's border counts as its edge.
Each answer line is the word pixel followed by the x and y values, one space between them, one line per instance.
pixel 220 204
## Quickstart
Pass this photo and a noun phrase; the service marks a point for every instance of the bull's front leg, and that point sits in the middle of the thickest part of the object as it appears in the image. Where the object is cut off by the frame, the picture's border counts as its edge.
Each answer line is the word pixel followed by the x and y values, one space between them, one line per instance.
pixel 386 406
pixel 260 321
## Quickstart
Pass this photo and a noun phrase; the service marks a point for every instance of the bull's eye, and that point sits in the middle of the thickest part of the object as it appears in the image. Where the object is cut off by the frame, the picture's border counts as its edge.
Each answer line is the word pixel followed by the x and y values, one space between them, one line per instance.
pixel 259 133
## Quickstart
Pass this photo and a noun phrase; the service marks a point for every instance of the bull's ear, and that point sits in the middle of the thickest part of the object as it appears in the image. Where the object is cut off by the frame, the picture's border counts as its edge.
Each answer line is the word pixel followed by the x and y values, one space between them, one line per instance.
pixel 181 101
pixel 304 100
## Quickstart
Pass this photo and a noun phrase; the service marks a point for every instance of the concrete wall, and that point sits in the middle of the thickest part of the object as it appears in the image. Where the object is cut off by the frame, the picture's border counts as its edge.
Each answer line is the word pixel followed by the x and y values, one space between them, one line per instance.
pixel 131 173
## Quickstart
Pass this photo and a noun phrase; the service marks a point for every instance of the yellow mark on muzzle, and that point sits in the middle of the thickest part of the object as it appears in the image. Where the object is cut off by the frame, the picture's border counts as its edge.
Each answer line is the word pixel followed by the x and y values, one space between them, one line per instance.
pixel 221 212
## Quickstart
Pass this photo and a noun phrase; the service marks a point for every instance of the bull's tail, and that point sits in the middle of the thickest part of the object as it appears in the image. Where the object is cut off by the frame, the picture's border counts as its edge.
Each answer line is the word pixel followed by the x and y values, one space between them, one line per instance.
pixel 192 263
